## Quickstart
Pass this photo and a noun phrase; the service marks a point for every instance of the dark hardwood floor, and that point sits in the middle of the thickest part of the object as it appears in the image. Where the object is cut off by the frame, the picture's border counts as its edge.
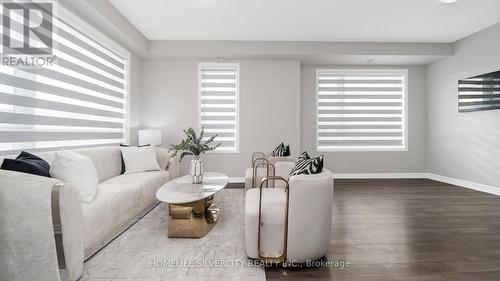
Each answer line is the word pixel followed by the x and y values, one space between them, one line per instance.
pixel 409 230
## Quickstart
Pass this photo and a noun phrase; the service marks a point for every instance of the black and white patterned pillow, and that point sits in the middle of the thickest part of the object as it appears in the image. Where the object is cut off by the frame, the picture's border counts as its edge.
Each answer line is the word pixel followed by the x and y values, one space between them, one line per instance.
pixel 281 150
pixel 304 156
pixel 287 150
pixel 306 165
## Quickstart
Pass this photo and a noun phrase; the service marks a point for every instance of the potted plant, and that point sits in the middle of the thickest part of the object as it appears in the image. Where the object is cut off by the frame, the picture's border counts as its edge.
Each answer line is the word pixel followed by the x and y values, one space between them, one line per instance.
pixel 194 145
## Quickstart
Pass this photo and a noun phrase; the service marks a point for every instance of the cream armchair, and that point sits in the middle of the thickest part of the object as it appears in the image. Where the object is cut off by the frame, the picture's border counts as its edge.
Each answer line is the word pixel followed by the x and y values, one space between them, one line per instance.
pixel 291 221
pixel 262 165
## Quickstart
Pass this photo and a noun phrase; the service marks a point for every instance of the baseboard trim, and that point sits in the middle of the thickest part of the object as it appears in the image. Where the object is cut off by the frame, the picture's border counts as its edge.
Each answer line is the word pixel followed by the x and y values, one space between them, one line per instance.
pixel 380 175
pixel 236 179
pixel 466 184
pixel 458 182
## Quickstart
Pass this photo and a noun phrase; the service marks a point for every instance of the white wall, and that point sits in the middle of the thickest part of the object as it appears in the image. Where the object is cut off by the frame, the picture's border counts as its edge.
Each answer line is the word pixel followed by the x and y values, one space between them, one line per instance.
pixel 269 106
pixel 464 146
pixel 411 161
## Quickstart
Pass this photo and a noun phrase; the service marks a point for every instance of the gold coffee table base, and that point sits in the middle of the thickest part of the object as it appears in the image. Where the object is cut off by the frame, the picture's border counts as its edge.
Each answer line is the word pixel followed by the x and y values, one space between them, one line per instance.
pixel 192 220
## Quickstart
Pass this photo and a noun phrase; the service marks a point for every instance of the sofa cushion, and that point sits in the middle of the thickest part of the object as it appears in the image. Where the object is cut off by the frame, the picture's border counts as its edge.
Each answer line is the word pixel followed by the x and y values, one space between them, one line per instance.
pixel 107 160
pixel 148 183
pixel 114 206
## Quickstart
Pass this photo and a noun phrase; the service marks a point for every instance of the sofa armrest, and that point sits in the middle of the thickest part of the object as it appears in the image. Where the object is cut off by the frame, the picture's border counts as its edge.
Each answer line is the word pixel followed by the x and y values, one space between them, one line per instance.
pixel 174 167
pixel 27 229
pixel 72 231
pixel 313 193
pixel 163 156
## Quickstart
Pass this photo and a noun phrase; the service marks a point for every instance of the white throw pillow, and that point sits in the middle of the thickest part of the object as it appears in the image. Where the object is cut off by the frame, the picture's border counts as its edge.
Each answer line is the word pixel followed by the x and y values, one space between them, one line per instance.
pixel 139 159
pixel 78 171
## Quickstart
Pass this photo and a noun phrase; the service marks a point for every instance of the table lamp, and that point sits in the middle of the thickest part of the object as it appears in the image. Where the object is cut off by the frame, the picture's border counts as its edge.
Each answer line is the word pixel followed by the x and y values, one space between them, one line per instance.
pixel 150 136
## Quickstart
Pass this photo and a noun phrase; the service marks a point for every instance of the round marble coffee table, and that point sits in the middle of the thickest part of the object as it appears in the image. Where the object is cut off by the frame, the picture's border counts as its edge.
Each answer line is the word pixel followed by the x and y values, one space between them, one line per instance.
pixel 191 206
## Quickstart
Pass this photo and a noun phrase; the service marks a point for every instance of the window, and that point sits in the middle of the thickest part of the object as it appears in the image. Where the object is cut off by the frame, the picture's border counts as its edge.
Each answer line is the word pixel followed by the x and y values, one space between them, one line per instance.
pixel 361 110
pixel 218 87
pixel 81 100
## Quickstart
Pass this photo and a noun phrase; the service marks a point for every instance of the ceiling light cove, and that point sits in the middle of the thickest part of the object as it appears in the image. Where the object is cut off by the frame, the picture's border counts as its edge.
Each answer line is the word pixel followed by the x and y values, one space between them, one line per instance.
pixel 425 21
pixel 448 1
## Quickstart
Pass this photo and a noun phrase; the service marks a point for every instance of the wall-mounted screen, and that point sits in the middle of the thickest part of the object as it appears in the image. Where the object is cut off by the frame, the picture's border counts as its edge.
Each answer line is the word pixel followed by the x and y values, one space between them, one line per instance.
pixel 479 92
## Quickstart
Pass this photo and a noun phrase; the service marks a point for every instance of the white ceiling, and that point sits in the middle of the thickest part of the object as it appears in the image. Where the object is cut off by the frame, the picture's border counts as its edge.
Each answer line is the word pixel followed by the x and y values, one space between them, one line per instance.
pixel 313 20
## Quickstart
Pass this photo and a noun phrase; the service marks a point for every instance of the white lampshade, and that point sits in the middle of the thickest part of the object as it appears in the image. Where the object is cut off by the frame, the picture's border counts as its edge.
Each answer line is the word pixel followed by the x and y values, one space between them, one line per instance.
pixel 150 136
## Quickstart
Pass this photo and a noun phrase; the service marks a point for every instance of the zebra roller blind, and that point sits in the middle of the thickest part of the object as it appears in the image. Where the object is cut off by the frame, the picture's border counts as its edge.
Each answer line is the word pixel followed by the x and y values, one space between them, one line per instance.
pixel 79 101
pixel 361 110
pixel 219 103
pixel 479 93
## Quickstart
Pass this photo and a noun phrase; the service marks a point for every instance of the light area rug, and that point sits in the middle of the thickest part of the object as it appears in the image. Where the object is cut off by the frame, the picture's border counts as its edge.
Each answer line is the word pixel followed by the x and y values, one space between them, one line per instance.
pixel 144 252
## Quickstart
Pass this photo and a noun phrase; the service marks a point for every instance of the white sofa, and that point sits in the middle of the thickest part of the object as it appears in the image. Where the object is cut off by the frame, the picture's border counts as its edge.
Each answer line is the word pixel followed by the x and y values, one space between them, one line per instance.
pixel 309 216
pixel 27 211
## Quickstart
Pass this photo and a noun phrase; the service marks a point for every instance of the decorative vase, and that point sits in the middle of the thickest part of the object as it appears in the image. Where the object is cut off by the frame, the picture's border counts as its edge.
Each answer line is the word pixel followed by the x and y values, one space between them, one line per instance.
pixel 196 170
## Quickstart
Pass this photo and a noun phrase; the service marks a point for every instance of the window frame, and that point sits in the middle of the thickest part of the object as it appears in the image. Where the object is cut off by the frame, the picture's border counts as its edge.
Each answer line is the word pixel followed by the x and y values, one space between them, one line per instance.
pixel 229 66
pixel 378 71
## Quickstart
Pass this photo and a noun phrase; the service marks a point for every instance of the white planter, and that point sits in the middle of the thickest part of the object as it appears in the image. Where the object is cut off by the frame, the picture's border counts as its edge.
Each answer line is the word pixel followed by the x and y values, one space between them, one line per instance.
pixel 196 169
